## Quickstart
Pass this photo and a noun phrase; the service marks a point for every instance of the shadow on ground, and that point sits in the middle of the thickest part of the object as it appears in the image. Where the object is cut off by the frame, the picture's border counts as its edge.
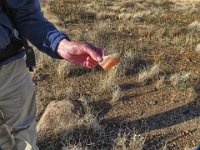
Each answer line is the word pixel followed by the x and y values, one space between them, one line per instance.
pixel 105 138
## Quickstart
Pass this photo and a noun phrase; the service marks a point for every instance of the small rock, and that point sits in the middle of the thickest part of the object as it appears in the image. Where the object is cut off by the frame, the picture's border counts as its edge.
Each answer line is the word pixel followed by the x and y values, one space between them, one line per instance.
pixel 58 117
pixel 153 102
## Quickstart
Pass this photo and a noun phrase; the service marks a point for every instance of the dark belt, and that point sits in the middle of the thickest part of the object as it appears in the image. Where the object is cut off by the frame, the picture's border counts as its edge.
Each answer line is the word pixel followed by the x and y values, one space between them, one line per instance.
pixel 12 49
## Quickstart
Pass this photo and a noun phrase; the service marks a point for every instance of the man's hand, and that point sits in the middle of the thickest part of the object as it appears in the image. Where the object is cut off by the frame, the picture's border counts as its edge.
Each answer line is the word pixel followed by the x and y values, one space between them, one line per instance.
pixel 83 54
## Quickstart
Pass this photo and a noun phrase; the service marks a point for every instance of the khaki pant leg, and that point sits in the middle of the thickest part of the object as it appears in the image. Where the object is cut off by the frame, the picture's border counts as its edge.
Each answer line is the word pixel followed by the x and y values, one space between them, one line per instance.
pixel 7 142
pixel 17 102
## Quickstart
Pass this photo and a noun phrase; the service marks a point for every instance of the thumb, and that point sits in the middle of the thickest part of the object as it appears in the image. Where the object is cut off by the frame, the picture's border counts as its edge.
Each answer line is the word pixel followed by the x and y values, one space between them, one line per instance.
pixel 93 54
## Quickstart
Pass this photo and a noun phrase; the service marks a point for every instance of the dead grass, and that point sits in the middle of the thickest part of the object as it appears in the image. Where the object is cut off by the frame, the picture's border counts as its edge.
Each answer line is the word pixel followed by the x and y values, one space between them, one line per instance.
pixel 63 69
pixel 117 94
pixel 108 81
pixel 129 141
pixel 194 26
pixel 149 74
pixel 198 48
pixel 181 80
pixel 89 120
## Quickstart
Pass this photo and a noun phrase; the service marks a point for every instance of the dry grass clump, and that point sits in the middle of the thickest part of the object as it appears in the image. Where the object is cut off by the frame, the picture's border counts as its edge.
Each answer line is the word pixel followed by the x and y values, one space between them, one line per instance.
pixel 43 61
pixel 51 17
pixel 63 69
pixel 185 8
pixel 89 120
pixel 141 16
pixel 105 2
pixel 187 94
pixel 182 80
pixel 149 74
pixel 129 141
pixel 109 84
pixel 137 141
pixel 108 80
pixel 106 16
pixel 162 82
pixel 129 4
pixel 192 94
pixel 71 11
pixel 198 48
pixel 127 63
pixel 125 16
pixel 184 86
pixel 121 141
pixel 87 15
pixel 116 93
pixel 115 8
pixel 194 26
pixel 102 34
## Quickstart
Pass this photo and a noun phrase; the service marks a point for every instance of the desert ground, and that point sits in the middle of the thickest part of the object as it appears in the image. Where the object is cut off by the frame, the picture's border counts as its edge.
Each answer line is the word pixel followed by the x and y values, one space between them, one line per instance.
pixel 150 101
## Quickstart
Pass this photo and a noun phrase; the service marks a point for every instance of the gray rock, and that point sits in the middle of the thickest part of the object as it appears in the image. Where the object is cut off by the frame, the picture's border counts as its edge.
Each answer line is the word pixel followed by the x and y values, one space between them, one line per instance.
pixel 59 116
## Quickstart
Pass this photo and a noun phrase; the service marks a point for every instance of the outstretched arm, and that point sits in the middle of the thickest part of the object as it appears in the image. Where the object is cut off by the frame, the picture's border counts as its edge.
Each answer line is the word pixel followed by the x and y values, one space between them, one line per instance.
pixel 31 23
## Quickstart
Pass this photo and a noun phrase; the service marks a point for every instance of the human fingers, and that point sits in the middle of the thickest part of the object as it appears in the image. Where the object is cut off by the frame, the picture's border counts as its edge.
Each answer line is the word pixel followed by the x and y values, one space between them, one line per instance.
pixel 93 52
pixel 89 64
